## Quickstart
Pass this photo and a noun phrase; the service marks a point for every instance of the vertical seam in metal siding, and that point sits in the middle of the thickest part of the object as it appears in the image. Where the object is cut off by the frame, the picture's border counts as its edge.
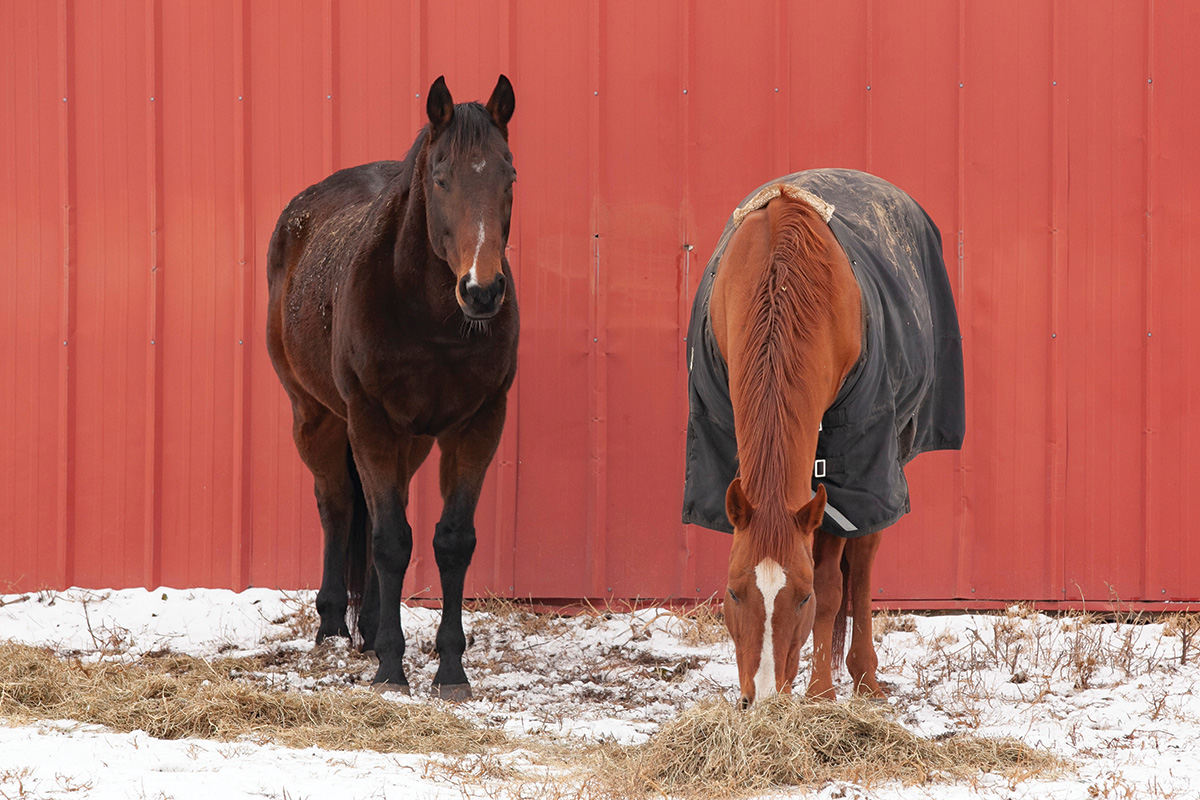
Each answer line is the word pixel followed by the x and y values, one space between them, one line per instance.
pixel 244 313
pixel 1059 185
pixel 329 76
pixel 504 559
pixel 687 569
pixel 152 535
pixel 963 573
pixel 66 381
pixel 1150 376
pixel 597 395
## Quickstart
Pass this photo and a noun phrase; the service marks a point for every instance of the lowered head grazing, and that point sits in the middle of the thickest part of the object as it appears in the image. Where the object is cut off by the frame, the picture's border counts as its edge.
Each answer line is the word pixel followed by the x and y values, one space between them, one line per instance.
pixel 768 604
pixel 469 178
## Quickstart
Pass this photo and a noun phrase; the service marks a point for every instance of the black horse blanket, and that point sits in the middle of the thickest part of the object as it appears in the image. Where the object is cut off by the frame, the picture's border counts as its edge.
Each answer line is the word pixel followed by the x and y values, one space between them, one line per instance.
pixel 903 397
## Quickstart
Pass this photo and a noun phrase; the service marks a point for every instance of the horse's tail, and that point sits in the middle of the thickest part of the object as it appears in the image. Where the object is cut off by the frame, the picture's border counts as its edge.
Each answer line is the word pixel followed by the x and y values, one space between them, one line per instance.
pixel 839 622
pixel 358 545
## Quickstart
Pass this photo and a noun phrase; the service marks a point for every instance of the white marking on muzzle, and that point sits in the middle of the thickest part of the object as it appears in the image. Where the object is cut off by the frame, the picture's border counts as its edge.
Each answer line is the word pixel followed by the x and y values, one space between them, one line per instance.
pixel 771 578
pixel 473 280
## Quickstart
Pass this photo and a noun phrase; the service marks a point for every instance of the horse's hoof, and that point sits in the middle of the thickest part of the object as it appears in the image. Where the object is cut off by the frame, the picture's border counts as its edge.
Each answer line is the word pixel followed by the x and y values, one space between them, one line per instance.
pixel 383 688
pixel 454 692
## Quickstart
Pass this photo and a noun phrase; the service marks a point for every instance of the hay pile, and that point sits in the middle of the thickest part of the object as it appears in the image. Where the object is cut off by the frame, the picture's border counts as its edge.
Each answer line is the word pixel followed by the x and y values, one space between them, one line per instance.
pixel 179 696
pixel 714 750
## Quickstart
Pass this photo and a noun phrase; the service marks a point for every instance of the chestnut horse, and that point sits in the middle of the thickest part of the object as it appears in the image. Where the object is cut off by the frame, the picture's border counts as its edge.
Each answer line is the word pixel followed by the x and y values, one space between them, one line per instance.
pixel 392 323
pixel 788 317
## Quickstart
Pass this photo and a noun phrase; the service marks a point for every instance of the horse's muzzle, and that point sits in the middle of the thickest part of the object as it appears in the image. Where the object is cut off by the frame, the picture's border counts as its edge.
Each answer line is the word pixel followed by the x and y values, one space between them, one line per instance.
pixel 480 301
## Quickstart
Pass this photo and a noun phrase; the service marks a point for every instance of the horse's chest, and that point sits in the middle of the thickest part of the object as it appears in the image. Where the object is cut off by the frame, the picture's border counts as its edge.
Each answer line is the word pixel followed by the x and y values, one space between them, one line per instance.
pixel 431 390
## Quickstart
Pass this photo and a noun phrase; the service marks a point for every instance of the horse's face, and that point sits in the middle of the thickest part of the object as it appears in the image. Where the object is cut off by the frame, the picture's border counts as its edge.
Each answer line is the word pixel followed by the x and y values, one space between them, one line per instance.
pixel 469 190
pixel 769 605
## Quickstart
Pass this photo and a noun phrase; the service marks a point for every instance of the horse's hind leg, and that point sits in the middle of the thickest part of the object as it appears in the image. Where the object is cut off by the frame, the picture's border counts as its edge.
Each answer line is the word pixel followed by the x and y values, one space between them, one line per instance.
pixel 321 440
pixel 465 458
pixel 861 661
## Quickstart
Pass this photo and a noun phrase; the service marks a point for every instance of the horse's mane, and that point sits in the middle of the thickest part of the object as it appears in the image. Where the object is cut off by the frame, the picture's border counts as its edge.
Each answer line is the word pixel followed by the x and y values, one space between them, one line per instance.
pixel 791 301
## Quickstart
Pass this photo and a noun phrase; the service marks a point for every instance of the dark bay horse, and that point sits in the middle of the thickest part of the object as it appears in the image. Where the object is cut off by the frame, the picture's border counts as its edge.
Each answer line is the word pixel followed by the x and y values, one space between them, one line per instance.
pixel 392 323
pixel 824 354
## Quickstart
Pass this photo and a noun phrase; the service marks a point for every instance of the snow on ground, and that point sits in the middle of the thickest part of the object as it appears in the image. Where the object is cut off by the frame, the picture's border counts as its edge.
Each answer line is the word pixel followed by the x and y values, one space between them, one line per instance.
pixel 1113 698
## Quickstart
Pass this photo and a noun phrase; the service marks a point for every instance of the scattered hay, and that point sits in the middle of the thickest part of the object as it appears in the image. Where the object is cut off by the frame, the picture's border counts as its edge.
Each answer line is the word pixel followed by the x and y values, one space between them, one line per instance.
pixel 177 697
pixel 714 750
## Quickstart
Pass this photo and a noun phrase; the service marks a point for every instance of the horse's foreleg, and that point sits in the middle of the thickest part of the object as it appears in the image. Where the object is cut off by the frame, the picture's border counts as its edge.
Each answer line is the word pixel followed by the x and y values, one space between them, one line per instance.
pixel 861 661
pixel 382 456
pixel 827 588
pixel 368 619
pixel 466 455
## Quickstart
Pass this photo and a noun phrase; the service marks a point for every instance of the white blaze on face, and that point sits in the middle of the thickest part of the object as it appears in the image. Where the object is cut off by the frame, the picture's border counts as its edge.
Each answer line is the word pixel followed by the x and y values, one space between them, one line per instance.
pixel 473 280
pixel 479 165
pixel 771 578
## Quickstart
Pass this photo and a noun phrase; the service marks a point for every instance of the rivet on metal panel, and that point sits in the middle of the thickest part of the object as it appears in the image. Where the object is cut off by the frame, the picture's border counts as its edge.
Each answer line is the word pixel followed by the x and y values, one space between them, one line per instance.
pixel 151 99
pixel 1149 334
pixel 239 341
pixel 65 344
pixel 328 97
pixel 960 86
pixel 65 99
pixel 596 93
pixel 418 95
pixel 151 342
pixel 687 247
pixel 777 88
pixel 1150 80
pixel 1054 336
pixel 972 591
pixel 1164 591
pixel 239 97
pixel 685 91
pixel 1054 83
pixel 868 87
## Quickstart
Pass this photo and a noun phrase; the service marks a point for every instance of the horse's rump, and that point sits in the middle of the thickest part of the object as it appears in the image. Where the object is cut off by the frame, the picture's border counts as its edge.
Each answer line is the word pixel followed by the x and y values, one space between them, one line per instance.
pixel 903 397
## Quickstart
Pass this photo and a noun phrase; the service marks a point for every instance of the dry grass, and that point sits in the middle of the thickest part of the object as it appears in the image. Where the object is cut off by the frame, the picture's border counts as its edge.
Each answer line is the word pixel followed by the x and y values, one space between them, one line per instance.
pixel 713 750
pixel 179 696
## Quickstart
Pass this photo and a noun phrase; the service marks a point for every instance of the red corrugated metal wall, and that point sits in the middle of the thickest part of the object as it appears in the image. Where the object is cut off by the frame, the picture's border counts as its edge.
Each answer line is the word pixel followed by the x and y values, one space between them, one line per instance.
pixel 147 148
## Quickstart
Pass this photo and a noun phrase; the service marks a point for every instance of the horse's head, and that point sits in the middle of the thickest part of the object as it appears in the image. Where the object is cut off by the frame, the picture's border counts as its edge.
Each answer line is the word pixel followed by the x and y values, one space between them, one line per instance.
pixel 769 606
pixel 468 180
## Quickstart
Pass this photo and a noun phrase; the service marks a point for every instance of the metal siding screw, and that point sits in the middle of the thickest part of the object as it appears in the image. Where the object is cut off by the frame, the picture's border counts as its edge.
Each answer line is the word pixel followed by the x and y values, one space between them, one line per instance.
pixel 596 93
pixel 685 91
pixel 868 87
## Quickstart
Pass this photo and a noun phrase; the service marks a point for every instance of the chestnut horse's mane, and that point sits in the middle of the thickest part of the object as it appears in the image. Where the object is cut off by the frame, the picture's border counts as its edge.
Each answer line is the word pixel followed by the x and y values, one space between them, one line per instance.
pixel 791 302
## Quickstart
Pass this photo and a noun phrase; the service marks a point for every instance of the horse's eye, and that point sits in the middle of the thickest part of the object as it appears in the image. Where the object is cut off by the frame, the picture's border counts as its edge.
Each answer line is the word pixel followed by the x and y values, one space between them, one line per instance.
pixel 804 602
pixel 441 184
pixel 733 596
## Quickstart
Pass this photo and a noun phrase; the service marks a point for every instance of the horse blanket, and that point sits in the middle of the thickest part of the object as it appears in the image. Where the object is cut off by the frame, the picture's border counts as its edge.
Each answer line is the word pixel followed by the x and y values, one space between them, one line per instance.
pixel 903 397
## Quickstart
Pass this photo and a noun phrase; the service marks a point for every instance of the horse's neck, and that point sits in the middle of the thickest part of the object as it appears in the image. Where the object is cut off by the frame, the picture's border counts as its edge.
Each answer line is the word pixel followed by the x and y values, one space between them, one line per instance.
pixel 809 384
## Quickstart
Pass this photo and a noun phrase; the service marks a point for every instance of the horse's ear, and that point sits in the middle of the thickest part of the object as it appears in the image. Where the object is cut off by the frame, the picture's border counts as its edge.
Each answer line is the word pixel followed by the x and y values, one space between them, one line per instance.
pixel 501 105
pixel 439 105
pixel 737 505
pixel 811 513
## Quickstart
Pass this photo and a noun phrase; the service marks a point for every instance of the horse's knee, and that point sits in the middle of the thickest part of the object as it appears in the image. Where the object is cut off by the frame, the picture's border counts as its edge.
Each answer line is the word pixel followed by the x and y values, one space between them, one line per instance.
pixel 453 545
pixel 392 547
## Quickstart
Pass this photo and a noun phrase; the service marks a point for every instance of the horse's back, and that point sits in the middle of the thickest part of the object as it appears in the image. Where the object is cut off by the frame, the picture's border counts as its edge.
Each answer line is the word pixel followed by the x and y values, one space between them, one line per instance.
pixel 316 236
pixel 345 192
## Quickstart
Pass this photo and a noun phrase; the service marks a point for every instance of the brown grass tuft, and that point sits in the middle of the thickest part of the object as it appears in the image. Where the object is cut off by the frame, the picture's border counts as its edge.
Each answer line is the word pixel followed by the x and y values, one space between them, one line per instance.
pixel 714 750
pixel 179 696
